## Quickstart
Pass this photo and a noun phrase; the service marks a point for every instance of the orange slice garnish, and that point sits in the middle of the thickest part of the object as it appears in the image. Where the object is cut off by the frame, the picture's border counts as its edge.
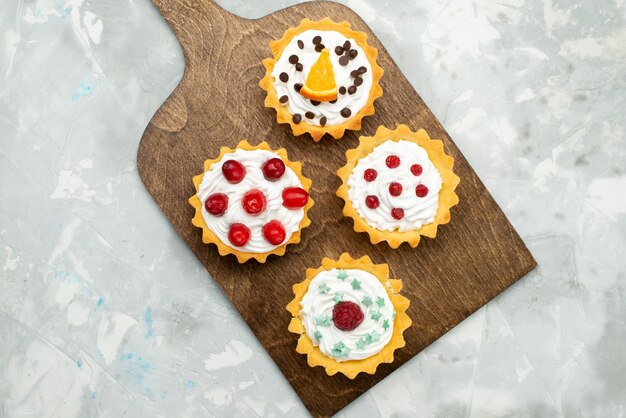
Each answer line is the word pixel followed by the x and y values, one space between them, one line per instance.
pixel 320 84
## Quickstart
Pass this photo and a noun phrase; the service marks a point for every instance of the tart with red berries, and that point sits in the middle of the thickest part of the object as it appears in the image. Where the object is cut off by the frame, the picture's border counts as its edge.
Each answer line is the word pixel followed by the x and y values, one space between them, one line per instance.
pixel 323 78
pixel 349 315
pixel 398 185
pixel 251 201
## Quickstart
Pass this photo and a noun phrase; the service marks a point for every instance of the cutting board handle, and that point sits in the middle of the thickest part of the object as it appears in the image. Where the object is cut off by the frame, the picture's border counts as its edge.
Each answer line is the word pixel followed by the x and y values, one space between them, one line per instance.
pixel 181 14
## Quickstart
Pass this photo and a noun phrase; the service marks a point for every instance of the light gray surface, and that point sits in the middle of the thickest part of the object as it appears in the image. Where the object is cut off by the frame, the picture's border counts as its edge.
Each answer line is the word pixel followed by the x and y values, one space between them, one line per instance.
pixel 105 312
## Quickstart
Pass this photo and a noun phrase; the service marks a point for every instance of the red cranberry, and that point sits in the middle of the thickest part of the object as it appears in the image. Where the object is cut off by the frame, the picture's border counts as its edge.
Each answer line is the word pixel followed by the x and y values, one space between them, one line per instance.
pixel 216 204
pixel 273 169
pixel 416 169
pixel 274 232
pixel 238 235
pixel 233 171
pixel 395 189
pixel 370 174
pixel 421 190
pixel 372 202
pixel 397 213
pixel 347 315
pixel 254 202
pixel 392 161
pixel 295 197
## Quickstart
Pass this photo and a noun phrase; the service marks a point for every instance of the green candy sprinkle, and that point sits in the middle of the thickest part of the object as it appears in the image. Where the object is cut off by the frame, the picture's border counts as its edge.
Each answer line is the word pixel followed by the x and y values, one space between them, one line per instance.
pixel 376 315
pixel 318 336
pixel 361 343
pixel 380 301
pixel 323 288
pixel 340 350
pixel 338 297
pixel 385 324
pixel 356 284
pixel 373 337
pixel 367 301
pixel 323 321
pixel 342 275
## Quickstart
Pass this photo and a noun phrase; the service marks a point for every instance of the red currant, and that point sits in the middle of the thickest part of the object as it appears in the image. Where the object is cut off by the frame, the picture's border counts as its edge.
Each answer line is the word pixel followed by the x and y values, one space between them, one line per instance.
pixel 238 235
pixel 295 197
pixel 421 190
pixel 372 202
pixel 416 169
pixel 233 171
pixel 254 202
pixel 216 204
pixel 397 213
pixel 273 169
pixel 274 232
pixel 395 189
pixel 392 161
pixel 370 174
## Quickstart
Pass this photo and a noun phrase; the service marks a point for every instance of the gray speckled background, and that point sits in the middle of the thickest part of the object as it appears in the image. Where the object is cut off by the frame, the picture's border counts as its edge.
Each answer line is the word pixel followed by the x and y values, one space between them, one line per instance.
pixel 105 312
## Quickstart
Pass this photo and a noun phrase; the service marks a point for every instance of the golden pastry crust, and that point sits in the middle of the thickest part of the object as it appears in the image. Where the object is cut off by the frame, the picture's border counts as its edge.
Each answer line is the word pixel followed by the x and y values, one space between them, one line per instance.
pixel 437 155
pixel 208 237
pixel 350 368
pixel 282 113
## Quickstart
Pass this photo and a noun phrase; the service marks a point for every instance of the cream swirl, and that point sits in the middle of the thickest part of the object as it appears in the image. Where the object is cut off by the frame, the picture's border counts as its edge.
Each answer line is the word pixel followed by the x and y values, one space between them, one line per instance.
pixel 418 211
pixel 296 103
pixel 330 287
pixel 214 182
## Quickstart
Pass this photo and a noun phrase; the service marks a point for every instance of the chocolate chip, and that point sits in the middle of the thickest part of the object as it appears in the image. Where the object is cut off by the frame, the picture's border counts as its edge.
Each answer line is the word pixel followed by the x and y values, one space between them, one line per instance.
pixel 299 66
pixel 297 87
pixel 344 60
pixel 297 118
pixel 351 90
pixel 342 90
pixel 353 53
pixel 347 45
pixel 319 48
pixel 284 99
pixel 309 115
pixel 323 121
pixel 317 40
pixel 358 81
pixel 315 102
pixel 345 112
pixel 300 44
pixel 362 70
pixel 354 73
pixel 293 59
pixel 333 101
pixel 284 77
pixel 338 50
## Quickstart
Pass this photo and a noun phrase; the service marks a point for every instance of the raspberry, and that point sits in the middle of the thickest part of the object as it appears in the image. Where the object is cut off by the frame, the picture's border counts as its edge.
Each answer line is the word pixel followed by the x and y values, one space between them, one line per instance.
pixel 347 316
pixel 372 202
pixel 254 202
pixel 416 169
pixel 295 197
pixel 273 169
pixel 395 189
pixel 216 204
pixel 233 171
pixel 397 213
pixel 421 190
pixel 274 232
pixel 370 174
pixel 238 235
pixel 393 161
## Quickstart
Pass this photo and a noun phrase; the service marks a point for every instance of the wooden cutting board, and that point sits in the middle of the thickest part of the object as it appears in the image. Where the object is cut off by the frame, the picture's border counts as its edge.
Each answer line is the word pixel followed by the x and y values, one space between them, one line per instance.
pixel 219 102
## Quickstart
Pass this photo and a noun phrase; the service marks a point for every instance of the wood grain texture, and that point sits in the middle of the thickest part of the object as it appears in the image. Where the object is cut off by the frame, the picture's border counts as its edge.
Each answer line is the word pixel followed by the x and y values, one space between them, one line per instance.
pixel 219 102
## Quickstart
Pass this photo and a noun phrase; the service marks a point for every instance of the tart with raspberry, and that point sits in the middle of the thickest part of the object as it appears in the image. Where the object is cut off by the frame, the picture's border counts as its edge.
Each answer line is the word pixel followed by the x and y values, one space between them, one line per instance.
pixel 323 78
pixel 349 315
pixel 251 201
pixel 398 185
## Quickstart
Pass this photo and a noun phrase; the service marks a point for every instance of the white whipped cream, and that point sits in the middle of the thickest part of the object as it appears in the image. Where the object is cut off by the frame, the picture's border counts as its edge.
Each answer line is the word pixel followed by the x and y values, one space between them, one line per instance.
pixel 308 56
pixel 370 336
pixel 418 211
pixel 214 182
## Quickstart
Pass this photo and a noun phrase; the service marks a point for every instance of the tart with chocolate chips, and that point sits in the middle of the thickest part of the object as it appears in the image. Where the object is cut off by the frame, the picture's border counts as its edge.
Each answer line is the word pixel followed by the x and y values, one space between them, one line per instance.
pixel 323 78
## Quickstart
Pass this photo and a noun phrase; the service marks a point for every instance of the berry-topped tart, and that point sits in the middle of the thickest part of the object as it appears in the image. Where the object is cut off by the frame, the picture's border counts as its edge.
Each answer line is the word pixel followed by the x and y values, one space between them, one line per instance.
pixel 398 185
pixel 349 315
pixel 322 79
pixel 251 201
